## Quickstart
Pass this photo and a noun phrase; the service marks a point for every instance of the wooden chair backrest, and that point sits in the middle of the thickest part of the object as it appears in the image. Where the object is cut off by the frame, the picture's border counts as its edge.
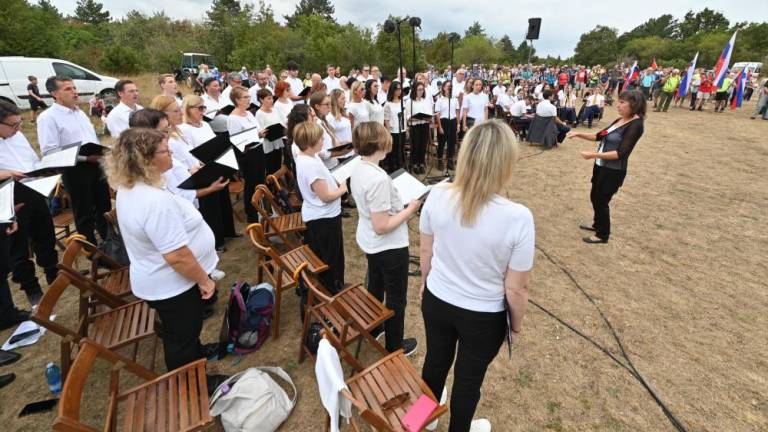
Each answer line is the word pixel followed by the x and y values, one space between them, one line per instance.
pixel 259 195
pixel 68 418
pixel 265 249
pixel 47 306
pixel 316 289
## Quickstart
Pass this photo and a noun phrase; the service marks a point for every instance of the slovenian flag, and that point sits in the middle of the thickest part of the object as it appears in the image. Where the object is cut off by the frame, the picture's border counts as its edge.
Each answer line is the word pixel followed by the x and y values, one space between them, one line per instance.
pixel 741 81
pixel 632 74
pixel 653 65
pixel 687 78
pixel 722 63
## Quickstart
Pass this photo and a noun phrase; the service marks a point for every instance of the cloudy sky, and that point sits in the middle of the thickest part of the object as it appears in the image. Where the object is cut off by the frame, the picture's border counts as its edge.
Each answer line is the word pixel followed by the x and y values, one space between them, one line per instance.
pixel 563 21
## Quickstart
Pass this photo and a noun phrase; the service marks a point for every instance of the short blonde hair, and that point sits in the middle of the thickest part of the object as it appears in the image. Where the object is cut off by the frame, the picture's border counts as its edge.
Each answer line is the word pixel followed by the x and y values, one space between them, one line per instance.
pixel 355 86
pixel 162 102
pixel 306 134
pixel 130 160
pixel 190 101
pixel 487 159
pixel 370 137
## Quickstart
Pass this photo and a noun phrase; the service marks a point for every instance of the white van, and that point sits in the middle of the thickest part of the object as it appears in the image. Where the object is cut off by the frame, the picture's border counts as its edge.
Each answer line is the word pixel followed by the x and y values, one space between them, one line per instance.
pixel 752 67
pixel 15 70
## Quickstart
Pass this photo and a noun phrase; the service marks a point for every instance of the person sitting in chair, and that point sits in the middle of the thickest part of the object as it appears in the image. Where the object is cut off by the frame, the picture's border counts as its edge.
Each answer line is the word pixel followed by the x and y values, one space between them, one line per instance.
pixel 545 109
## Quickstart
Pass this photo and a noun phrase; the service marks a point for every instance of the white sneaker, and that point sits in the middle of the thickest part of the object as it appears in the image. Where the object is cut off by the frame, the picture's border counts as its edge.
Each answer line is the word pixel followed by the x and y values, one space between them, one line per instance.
pixel 480 425
pixel 432 426
pixel 217 275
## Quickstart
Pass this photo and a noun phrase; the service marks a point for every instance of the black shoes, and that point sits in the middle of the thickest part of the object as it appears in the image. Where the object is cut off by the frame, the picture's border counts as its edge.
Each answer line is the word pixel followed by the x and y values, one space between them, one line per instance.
pixel 586 228
pixel 409 346
pixel 6 379
pixel 8 357
pixel 34 296
pixel 212 351
pixel 13 317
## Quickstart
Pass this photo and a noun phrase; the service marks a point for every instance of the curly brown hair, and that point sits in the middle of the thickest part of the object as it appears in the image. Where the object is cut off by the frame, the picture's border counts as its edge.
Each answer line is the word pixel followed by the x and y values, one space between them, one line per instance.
pixel 130 160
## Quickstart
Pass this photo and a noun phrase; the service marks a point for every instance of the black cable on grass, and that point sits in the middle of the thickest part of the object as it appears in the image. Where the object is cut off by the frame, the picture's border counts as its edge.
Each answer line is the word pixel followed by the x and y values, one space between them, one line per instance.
pixel 629 366
pixel 532 155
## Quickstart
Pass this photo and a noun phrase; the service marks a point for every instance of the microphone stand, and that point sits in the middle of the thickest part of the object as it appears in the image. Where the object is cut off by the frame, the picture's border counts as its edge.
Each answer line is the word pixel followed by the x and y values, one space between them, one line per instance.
pixel 451 130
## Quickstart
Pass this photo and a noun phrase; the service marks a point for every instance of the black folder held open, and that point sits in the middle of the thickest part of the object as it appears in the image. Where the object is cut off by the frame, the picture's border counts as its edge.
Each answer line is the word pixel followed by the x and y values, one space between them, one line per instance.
pixel 223 166
pixel 211 149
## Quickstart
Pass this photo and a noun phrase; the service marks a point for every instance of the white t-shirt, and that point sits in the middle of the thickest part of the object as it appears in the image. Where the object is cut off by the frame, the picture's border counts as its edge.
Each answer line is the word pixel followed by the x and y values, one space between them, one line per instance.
pixel 391 111
pixel 359 111
pixel 331 83
pixel 297 85
pixel 197 135
pixel 423 105
pixel 441 106
pixel 375 111
pixel 236 123
pixel 374 192
pixel 219 123
pixel 266 119
pixel 180 146
pixel 284 107
pixel 475 105
pixel 546 109
pixel 469 263
pixel 174 177
pixel 324 154
pixel 117 119
pixel 517 109
pixel 309 169
pixel 155 222
pixel 341 127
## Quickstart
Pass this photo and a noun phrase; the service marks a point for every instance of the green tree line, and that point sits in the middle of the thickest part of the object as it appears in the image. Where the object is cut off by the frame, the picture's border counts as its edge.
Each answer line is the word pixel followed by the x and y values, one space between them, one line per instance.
pixel 241 34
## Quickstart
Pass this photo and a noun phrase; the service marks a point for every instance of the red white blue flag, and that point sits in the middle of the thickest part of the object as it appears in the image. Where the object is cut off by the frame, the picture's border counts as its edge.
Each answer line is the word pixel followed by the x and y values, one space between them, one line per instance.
pixel 632 74
pixel 687 78
pixel 721 68
pixel 739 84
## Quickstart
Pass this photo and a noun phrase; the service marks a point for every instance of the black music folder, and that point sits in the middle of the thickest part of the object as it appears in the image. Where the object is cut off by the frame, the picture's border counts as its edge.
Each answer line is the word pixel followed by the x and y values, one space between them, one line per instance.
pixel 92 149
pixel 275 132
pixel 210 150
pixel 7 208
pixel 224 166
pixel 422 116
pixel 43 185
pixel 340 147
pixel 56 160
pixel 305 92
pixel 246 139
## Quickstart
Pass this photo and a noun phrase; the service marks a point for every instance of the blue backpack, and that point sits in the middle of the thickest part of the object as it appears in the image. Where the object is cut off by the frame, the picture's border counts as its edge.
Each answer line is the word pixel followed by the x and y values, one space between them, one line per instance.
pixel 249 316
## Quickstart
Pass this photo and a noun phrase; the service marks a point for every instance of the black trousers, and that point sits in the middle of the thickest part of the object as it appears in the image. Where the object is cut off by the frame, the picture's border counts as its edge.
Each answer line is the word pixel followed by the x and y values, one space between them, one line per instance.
pixel 216 209
pixel 254 173
pixel 35 229
pixel 6 300
pixel 182 320
pixel 89 191
pixel 694 95
pixel 562 131
pixel 479 336
pixel 388 282
pixel 419 141
pixel 326 239
pixel 447 138
pixel 273 161
pixel 605 183
pixel 395 158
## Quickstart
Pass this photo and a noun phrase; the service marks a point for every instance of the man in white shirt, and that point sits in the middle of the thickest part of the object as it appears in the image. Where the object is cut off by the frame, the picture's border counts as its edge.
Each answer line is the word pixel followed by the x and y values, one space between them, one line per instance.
pixel 499 91
pixel 458 83
pixel 65 123
pixel 261 83
pixel 593 107
pixel 34 223
pixel 117 120
pixel 364 74
pixel 214 102
pixel 383 90
pixel 168 87
pixel 546 109
pixel 375 73
pixel 233 80
pixel 297 85
pixel 331 82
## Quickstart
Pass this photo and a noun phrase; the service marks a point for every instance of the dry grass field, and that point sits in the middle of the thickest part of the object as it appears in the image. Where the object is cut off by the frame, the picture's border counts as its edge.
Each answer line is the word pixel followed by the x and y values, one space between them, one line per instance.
pixel 682 281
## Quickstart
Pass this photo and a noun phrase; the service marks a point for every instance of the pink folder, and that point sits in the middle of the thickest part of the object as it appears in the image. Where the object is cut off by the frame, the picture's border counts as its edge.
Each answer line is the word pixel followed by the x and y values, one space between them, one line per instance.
pixel 416 417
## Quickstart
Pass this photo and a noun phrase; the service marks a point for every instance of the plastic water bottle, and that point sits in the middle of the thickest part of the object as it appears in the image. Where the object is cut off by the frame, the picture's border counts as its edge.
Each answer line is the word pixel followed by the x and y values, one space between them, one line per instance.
pixel 53 376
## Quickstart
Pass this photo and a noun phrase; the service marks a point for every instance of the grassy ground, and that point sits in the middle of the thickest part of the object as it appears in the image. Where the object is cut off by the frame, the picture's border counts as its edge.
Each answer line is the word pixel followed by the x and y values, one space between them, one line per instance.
pixel 682 282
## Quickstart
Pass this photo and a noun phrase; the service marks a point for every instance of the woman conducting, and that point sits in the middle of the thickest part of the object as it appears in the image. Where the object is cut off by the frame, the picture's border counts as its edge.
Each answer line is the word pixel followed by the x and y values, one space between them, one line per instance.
pixel 382 229
pixel 477 252
pixel 615 145
pixel 321 208
pixel 171 248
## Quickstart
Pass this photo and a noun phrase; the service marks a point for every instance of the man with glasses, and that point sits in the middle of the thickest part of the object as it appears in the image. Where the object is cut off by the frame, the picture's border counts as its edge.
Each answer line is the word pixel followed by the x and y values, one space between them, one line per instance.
pixel 63 124
pixel 35 224
pixel 117 120
pixel 233 80
pixel 261 83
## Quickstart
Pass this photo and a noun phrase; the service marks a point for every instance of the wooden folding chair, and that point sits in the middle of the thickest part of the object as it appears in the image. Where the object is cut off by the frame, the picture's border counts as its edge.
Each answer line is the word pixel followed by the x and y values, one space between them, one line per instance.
pixel 382 393
pixel 346 317
pixel 119 326
pixel 279 268
pixel 114 280
pixel 63 221
pixel 236 188
pixel 282 183
pixel 278 223
pixel 175 401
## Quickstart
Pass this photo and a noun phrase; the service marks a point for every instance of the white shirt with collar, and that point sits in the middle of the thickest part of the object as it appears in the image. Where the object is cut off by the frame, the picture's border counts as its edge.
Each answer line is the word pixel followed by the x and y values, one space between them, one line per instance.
pixel 224 98
pixel 59 126
pixel 16 154
pixel 219 123
pixel 297 85
pixel 255 89
pixel 331 83
pixel 517 109
pixel 546 109
pixel 117 120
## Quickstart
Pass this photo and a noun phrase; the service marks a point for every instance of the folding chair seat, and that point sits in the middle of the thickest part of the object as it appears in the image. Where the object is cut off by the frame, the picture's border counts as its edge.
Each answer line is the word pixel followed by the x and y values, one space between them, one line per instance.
pixel 275 221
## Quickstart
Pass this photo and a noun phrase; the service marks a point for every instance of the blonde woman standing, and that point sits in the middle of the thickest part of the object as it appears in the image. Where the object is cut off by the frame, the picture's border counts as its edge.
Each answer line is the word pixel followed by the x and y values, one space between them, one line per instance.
pixel 477 252
pixel 357 108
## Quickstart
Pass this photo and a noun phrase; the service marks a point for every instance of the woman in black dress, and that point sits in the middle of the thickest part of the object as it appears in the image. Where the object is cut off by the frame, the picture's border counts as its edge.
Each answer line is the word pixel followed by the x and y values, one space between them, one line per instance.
pixel 615 145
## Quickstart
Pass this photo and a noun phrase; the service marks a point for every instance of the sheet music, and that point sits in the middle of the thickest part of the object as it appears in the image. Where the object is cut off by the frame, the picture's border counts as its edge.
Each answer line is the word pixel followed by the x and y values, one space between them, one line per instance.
pixel 43 185
pixel 228 159
pixel 343 171
pixel 409 187
pixel 65 157
pixel 210 134
pixel 211 114
pixel 248 136
pixel 7 211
